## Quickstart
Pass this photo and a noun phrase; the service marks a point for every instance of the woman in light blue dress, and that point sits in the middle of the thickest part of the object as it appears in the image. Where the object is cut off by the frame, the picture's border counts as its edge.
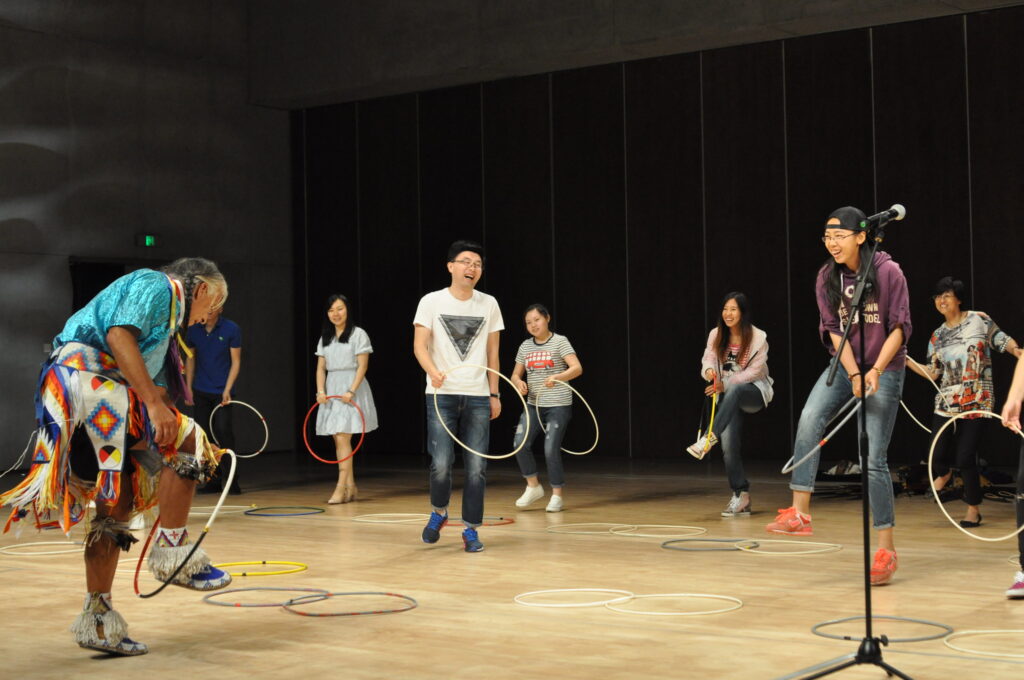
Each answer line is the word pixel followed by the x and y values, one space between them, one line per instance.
pixel 343 355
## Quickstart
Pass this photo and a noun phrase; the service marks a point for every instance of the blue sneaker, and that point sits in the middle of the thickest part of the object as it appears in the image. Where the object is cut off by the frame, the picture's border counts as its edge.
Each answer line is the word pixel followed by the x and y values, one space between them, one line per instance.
pixel 207 578
pixel 432 531
pixel 472 542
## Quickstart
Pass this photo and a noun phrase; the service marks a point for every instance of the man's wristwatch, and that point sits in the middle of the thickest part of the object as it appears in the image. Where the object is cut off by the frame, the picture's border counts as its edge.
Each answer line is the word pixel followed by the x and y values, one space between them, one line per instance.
pixel 496 395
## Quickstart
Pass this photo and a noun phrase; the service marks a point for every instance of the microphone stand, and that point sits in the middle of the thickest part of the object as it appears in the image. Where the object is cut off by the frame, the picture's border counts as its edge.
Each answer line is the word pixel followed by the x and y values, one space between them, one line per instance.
pixel 870 650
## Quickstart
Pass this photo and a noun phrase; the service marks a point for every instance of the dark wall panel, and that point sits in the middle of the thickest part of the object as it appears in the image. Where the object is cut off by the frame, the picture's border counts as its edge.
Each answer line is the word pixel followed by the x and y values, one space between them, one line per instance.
pixel 666 268
pixel 391 262
pixel 745 207
pixel 590 256
pixel 830 158
pixel 922 162
pixel 517 218
pixel 450 175
pixel 996 95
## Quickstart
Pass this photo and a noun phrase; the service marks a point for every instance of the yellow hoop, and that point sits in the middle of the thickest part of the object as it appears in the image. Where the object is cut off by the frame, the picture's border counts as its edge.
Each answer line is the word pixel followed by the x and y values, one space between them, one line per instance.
pixel 440 418
pixel 299 566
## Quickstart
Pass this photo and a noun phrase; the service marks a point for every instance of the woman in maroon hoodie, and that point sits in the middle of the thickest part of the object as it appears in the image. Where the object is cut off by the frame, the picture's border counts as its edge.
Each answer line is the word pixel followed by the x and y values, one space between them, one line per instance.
pixel 886 329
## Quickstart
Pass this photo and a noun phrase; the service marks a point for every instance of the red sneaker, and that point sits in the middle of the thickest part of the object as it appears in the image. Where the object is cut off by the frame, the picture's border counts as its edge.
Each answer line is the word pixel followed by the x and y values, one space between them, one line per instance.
pixel 790 521
pixel 884 567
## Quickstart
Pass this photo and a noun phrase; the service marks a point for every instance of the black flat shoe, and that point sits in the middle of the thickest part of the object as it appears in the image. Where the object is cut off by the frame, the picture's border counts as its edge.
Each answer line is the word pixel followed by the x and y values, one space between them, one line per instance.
pixel 968 524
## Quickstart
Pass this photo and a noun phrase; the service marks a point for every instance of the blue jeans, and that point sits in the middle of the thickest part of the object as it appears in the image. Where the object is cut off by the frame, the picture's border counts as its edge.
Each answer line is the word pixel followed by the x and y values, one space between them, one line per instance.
pixel 732 404
pixel 470 419
pixel 881 407
pixel 555 418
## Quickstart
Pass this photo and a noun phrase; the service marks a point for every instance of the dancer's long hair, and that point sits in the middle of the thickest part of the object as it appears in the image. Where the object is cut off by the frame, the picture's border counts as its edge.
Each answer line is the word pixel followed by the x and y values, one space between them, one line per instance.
pixel 746 328
pixel 329 331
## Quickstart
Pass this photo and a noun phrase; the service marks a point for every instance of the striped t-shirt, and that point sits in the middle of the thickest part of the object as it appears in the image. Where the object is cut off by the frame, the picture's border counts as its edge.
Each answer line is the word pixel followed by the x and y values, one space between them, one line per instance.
pixel 542 360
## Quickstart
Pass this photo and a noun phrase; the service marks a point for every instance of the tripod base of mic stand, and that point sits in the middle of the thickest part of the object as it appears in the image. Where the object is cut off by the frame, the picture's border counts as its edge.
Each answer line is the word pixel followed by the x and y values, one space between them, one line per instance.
pixel 869 652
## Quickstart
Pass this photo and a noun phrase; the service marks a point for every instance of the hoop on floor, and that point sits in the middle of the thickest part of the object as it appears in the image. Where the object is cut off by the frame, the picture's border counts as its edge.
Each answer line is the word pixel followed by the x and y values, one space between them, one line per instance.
pixel 1014 559
pixel 946 630
pixel 266 430
pixel 305 434
pixel 790 465
pixel 826 547
pixel 224 510
pixel 299 566
pixel 440 418
pixel 597 430
pixel 309 599
pixel 931 478
pixel 392 517
pixel 667 545
pixel 259 512
pixel 947 641
pixel 736 604
pixel 208 599
pixel 623 596
pixel 78 547
pixel 694 531
pixel 560 528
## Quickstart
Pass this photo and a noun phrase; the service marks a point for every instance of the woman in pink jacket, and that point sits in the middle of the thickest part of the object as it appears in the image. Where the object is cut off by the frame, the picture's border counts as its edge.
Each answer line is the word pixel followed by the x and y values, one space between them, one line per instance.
pixel 736 364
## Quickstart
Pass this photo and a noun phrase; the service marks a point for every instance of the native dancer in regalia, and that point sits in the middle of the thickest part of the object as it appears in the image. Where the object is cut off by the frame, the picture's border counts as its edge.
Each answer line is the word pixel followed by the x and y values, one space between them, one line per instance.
pixel 109 435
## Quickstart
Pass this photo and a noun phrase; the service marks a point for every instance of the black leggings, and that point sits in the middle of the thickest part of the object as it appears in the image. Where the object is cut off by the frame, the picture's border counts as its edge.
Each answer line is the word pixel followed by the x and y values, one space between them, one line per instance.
pixel 961 437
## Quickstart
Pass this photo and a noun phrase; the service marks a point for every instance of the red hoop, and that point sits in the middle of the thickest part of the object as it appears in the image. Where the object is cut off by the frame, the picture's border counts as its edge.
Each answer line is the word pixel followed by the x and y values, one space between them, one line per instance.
pixel 305 435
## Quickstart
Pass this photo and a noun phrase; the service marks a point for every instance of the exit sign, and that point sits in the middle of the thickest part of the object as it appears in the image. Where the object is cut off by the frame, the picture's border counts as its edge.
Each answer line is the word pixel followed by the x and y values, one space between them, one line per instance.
pixel 147 240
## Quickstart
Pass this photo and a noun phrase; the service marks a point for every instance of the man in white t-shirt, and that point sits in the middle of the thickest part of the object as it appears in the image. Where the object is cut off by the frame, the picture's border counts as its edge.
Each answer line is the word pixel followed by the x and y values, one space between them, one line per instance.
pixel 455 326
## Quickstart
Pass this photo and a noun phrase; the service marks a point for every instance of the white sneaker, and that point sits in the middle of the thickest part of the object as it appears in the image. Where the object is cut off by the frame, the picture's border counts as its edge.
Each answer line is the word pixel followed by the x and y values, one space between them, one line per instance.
pixel 700 448
pixel 555 504
pixel 532 493
pixel 738 506
pixel 1017 589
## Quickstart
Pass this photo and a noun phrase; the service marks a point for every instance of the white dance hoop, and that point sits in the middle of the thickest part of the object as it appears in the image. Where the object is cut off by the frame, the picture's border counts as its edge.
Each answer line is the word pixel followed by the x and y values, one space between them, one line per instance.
pixel 623 596
pixel 825 547
pixel 266 430
pixel 76 547
pixel 736 604
pixel 631 531
pixel 931 479
pixel 947 641
pixel 597 430
pixel 790 465
pixel 392 518
pixel 451 434
pixel 607 527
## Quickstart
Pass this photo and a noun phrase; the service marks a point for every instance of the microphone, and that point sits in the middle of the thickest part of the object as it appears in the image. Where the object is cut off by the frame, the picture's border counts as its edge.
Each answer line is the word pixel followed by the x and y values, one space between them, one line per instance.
pixel 896 212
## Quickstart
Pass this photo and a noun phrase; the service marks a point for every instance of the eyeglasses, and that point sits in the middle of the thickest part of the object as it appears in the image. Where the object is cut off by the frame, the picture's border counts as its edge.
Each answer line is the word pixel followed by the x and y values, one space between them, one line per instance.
pixel 836 239
pixel 470 264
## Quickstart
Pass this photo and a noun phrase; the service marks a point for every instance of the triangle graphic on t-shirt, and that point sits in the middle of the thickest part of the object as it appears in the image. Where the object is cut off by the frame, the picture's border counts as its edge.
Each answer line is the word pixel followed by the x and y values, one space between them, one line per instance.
pixel 462 331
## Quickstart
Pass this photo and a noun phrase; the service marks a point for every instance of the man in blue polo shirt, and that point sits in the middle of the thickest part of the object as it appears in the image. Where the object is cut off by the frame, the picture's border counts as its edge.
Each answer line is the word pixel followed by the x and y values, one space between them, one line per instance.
pixel 211 374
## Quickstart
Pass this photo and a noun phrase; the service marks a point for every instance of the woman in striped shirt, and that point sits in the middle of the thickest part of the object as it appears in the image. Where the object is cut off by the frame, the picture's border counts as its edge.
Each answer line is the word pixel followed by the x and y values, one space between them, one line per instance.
pixel 544 358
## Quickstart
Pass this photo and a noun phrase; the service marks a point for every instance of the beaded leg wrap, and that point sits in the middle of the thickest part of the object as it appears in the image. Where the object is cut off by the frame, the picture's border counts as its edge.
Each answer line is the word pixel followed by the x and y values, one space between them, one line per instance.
pixel 171 549
pixel 200 465
pixel 100 627
pixel 117 531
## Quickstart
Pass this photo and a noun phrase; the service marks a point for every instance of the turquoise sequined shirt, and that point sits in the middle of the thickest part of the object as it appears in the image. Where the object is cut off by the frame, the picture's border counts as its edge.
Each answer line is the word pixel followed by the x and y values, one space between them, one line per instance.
pixel 141 299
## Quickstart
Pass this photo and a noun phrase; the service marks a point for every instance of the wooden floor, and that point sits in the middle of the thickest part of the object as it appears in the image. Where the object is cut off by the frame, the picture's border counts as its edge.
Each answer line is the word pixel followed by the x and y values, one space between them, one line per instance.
pixel 467 625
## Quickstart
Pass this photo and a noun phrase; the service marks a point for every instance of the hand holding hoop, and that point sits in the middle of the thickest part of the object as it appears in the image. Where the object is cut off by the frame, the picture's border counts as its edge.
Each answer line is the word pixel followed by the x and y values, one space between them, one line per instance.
pixel 597 431
pixel 305 435
pixel 440 418
pixel 266 431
